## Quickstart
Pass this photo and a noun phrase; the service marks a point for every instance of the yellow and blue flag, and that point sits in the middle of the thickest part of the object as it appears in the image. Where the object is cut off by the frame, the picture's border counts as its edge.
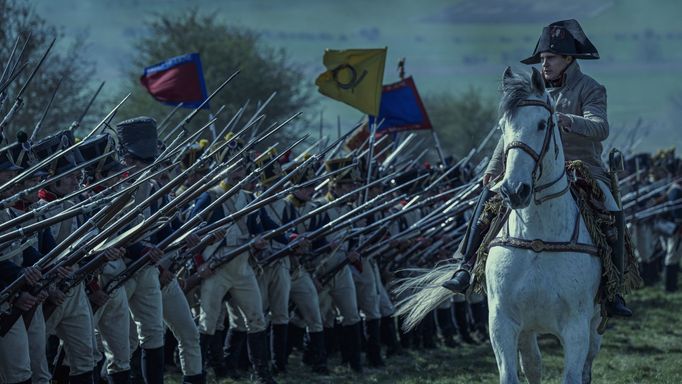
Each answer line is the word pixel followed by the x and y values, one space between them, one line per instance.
pixel 355 77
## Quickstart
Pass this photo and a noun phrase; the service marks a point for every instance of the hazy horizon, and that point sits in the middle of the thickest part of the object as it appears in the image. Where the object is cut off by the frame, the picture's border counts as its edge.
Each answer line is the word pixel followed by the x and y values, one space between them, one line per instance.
pixel 450 46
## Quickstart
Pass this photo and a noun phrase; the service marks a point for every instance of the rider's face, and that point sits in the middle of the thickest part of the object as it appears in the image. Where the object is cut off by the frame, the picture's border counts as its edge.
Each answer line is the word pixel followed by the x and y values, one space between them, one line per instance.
pixel 553 65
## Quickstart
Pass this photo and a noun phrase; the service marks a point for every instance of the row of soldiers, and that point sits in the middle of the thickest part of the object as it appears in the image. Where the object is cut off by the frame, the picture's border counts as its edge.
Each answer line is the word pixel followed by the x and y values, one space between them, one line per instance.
pixel 653 199
pixel 121 252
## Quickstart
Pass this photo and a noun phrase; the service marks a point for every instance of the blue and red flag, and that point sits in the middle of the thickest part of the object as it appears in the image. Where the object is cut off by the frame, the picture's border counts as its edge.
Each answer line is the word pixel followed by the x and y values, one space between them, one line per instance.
pixel 401 108
pixel 177 80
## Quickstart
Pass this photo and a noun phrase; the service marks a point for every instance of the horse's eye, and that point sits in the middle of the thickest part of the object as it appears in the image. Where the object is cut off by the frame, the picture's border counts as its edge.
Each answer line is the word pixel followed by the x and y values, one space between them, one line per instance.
pixel 541 126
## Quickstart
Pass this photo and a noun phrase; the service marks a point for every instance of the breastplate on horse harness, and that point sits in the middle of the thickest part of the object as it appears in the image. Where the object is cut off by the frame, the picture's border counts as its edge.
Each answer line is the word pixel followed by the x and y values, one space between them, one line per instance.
pixel 539 245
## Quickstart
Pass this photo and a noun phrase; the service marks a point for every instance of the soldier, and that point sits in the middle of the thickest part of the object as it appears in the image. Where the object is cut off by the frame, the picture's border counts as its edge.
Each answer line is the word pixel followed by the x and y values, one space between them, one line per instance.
pixel 274 279
pixel 673 246
pixel 235 277
pixel 138 147
pixel 340 291
pixel 643 232
pixel 303 290
pixel 72 319
pixel 581 112
pixel 112 310
pixel 16 359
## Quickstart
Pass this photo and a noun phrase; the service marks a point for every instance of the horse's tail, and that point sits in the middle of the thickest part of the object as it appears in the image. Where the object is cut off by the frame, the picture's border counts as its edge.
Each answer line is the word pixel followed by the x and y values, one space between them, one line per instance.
pixel 422 293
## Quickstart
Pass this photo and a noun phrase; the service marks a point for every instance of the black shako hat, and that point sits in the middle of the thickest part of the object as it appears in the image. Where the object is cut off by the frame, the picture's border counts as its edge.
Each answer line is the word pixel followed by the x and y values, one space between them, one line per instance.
pixel 566 38
pixel 138 137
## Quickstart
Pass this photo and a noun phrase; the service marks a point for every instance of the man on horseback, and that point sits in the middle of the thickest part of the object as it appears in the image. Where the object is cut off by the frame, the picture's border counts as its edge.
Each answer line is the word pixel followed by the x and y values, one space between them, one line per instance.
pixel 581 114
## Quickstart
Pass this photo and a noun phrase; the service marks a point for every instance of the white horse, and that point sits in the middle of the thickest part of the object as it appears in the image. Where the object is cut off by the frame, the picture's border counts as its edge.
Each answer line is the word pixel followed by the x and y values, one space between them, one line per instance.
pixel 542 274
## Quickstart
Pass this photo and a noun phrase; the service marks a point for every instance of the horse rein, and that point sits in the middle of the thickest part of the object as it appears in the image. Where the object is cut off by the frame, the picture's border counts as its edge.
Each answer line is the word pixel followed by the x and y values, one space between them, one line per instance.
pixel 539 157
pixel 539 245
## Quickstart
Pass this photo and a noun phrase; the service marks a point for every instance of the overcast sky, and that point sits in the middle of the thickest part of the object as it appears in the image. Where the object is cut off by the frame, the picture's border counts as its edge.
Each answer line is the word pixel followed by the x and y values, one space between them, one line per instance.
pixel 449 45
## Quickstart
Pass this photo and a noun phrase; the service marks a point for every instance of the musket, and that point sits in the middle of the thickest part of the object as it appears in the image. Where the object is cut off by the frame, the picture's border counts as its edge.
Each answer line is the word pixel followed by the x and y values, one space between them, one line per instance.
pixel 262 107
pixel 103 239
pixel 323 230
pixel 12 73
pixel 3 86
pixel 329 275
pixel 186 228
pixel 190 194
pixel 183 124
pixel 216 262
pixel 97 221
pixel 207 182
pixel 30 171
pixel 10 292
pixel 36 212
pixel 434 216
pixel 161 127
pixel 655 210
pixel 11 57
pixel 19 101
pixel 77 123
pixel 8 202
pixel 316 157
pixel 39 124
pixel 265 198
pixel 389 159
pixel 633 198
pixel 188 145
pixel 228 127
pixel 337 148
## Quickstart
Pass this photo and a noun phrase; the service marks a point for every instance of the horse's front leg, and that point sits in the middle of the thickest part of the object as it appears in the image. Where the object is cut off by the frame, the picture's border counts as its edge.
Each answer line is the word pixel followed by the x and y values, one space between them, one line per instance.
pixel 504 336
pixel 575 339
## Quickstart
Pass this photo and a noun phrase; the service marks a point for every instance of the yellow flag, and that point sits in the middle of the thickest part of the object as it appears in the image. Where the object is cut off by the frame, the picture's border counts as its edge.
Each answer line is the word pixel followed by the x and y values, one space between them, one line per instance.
pixel 355 77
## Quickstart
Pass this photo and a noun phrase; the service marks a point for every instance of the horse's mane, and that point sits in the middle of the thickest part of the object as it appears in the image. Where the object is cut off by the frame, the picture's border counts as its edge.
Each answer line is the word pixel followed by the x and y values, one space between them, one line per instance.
pixel 515 88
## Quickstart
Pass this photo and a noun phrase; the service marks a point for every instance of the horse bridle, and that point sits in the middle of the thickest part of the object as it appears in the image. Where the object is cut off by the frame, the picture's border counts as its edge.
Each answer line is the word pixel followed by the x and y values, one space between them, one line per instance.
pixel 539 157
pixel 539 245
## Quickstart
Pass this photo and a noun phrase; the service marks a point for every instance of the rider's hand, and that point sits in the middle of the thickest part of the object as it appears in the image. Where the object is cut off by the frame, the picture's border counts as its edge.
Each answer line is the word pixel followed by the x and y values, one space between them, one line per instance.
pixel 487 178
pixel 564 122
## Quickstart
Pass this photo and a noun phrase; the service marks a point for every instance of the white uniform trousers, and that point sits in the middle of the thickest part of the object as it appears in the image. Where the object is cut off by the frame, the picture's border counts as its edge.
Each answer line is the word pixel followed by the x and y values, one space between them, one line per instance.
pixel 340 293
pixel 245 298
pixel 304 296
pixel 72 323
pixel 178 317
pixel 146 307
pixel 15 361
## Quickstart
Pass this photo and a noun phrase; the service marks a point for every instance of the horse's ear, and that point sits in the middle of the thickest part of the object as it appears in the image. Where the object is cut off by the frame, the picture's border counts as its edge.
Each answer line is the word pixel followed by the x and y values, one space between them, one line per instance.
pixel 536 81
pixel 508 74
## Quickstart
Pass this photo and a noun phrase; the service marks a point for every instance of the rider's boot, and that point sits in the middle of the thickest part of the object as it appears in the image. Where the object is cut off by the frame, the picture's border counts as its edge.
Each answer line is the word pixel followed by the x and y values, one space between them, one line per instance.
pixel 467 249
pixel 617 307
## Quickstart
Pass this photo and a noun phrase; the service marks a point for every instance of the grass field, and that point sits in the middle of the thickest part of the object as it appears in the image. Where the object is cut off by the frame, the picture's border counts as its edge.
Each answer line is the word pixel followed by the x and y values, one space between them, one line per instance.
pixel 645 349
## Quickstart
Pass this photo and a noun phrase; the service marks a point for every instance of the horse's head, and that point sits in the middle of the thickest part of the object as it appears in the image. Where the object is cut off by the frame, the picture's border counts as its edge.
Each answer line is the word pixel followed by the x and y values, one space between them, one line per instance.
pixel 528 128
